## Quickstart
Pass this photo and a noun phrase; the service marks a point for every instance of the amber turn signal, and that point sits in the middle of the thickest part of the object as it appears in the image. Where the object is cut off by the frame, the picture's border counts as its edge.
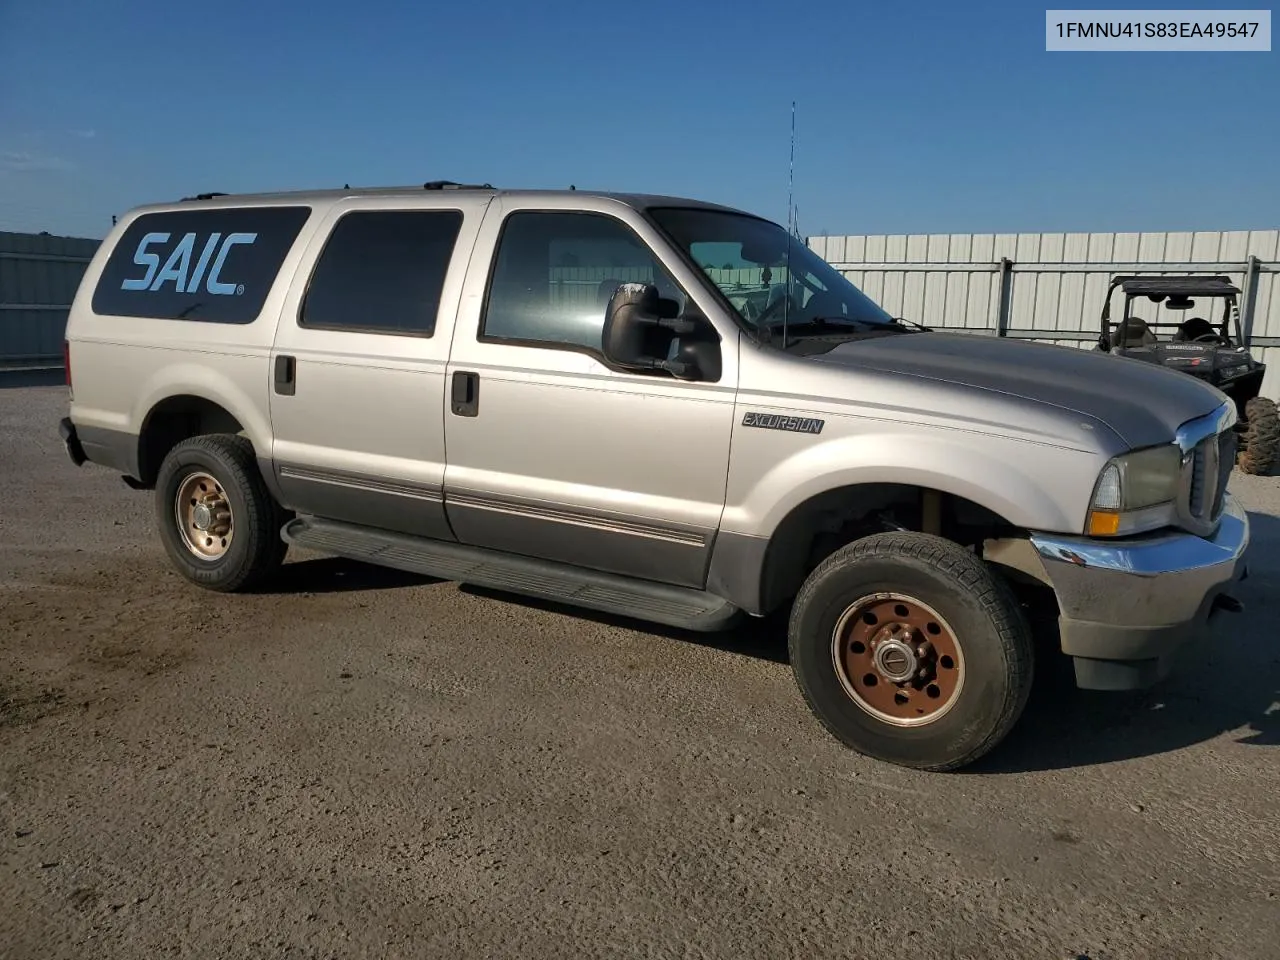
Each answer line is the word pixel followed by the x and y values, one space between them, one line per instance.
pixel 1104 523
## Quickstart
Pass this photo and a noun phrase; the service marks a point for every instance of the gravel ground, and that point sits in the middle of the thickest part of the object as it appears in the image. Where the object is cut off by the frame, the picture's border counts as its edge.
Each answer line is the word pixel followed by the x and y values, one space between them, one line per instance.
pixel 367 763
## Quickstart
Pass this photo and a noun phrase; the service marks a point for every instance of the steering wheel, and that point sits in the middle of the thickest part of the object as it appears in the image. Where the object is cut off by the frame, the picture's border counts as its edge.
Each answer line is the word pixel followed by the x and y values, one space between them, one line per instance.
pixel 1207 338
pixel 769 310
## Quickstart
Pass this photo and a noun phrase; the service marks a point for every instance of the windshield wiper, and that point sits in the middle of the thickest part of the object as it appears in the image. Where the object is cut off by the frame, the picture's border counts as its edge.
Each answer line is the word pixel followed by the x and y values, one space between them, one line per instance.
pixel 904 322
pixel 829 323
pixel 823 326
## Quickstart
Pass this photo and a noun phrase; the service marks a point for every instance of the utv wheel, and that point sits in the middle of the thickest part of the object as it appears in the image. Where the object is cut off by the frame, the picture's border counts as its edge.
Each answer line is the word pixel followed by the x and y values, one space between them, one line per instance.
pixel 219 523
pixel 1261 441
pixel 910 650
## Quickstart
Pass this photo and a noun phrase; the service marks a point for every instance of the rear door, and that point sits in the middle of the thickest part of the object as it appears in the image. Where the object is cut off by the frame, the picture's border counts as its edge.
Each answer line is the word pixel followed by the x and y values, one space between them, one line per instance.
pixel 358 364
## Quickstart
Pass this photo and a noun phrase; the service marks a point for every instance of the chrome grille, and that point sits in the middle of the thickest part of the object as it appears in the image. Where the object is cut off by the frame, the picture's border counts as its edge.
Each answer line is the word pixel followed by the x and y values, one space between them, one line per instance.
pixel 1226 462
pixel 1209 453
pixel 1199 467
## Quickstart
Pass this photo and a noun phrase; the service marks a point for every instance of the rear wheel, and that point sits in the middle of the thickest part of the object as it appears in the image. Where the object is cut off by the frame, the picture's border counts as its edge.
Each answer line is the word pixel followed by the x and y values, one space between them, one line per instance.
pixel 1261 441
pixel 219 523
pixel 910 649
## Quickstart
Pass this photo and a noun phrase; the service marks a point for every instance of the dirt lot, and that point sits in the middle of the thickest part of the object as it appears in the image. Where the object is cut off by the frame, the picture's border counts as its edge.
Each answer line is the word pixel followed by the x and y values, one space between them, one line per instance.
pixel 364 763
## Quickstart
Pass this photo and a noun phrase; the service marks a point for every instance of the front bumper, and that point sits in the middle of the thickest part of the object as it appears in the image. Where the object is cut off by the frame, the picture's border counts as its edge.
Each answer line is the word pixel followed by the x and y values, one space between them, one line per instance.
pixel 1127 608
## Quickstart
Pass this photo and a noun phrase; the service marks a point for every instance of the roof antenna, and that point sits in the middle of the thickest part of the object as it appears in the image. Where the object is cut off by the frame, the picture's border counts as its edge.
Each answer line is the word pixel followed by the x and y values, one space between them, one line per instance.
pixel 791 176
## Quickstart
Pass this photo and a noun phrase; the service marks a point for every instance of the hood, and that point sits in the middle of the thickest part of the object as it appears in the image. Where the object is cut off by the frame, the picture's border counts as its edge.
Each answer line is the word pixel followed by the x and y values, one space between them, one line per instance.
pixel 1143 403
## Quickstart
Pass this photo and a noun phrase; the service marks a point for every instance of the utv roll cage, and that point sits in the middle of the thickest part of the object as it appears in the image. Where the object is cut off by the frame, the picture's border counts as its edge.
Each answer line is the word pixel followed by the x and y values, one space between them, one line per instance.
pixel 1131 331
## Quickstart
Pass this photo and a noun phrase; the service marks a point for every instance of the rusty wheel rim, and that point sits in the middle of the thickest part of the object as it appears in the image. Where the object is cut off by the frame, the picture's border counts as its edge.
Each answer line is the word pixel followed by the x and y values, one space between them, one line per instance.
pixel 203 514
pixel 898 659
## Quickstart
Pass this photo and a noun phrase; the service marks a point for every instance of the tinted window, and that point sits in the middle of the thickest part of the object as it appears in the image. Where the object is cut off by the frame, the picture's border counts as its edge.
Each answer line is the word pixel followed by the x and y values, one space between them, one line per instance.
pixel 555 273
pixel 382 272
pixel 216 265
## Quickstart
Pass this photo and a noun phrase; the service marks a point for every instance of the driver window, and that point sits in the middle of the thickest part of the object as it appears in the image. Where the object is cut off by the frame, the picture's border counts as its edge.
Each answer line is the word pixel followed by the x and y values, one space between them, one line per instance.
pixel 555 273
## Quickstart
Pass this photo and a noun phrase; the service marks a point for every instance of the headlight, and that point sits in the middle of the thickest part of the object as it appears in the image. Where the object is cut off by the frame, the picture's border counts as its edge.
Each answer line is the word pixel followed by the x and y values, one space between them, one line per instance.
pixel 1135 492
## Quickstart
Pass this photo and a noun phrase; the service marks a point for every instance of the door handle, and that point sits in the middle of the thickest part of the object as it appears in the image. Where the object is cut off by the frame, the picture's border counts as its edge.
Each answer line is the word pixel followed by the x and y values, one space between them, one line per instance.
pixel 286 368
pixel 466 394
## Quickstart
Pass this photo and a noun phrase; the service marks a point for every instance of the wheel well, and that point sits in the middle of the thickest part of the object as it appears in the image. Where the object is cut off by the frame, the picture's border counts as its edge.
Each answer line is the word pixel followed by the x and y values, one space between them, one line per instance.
pixel 173 420
pixel 823 524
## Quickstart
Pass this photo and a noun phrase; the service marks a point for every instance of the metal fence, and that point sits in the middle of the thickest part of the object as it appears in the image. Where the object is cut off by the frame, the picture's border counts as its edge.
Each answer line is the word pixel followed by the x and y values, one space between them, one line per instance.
pixel 1038 286
pixel 1051 286
pixel 39 274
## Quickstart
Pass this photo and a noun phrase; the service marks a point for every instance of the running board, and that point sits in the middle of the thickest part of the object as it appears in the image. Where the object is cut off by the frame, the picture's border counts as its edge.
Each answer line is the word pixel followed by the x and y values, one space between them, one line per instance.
pixel 609 593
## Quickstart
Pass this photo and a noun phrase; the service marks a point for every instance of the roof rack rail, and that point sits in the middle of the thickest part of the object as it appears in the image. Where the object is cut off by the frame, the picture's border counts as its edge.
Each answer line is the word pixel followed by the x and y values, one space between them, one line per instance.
pixel 454 185
pixel 205 196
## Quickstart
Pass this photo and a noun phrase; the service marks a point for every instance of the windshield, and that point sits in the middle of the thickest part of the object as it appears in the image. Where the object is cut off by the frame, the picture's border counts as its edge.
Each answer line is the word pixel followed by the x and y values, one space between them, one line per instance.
pixel 747 258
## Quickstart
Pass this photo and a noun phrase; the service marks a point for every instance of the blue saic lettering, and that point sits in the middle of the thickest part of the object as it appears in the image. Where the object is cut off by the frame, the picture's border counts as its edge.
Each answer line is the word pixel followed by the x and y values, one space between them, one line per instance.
pixel 177 267
pixel 143 259
pixel 213 285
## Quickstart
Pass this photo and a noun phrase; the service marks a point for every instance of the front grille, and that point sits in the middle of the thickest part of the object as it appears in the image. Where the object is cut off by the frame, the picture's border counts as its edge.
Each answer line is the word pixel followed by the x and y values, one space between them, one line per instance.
pixel 1210 467
pixel 1226 462
pixel 1199 468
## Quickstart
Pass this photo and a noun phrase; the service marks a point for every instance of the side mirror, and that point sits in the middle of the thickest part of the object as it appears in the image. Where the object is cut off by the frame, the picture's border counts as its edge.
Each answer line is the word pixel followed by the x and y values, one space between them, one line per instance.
pixel 641 327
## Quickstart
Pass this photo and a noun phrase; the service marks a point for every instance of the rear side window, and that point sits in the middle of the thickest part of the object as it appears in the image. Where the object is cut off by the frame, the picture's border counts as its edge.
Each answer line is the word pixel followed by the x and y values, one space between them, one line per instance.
pixel 382 271
pixel 215 265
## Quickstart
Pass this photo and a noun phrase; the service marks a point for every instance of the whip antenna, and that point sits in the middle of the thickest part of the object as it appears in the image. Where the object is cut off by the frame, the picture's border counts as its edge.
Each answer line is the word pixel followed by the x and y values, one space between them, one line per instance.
pixel 791 178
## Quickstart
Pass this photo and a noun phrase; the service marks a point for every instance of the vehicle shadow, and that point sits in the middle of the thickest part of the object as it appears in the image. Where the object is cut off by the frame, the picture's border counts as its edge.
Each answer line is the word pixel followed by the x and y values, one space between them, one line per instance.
pixel 339 575
pixel 1230 683
pixel 764 638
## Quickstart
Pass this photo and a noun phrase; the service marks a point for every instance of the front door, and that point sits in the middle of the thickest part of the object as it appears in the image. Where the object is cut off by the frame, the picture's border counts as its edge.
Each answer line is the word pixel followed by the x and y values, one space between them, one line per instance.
pixel 551 452
pixel 358 366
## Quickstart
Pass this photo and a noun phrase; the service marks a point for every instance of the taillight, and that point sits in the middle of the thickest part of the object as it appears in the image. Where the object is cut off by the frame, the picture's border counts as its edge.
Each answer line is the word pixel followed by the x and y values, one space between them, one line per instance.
pixel 66 360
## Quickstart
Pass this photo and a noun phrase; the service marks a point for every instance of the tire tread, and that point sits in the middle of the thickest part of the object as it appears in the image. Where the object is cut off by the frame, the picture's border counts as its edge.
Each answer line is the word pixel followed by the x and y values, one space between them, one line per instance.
pixel 260 523
pixel 1261 438
pixel 992 594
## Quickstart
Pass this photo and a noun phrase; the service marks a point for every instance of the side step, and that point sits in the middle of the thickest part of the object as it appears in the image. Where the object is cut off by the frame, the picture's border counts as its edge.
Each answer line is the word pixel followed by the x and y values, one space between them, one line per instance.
pixel 641 599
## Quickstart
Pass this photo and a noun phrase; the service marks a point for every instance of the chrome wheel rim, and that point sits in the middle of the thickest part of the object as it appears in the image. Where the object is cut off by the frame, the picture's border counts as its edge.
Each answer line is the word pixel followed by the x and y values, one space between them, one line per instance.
pixel 203 515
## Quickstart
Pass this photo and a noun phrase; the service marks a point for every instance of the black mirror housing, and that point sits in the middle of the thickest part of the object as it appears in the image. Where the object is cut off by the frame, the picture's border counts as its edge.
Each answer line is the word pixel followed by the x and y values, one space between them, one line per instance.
pixel 628 328
pixel 640 328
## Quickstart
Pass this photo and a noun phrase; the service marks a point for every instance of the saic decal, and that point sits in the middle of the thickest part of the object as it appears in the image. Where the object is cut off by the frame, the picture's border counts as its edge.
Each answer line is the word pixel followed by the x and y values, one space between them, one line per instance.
pixel 774 421
pixel 177 268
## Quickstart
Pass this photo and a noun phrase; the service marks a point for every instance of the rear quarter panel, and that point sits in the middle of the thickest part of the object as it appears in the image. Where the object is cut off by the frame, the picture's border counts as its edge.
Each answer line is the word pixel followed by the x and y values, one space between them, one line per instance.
pixel 123 365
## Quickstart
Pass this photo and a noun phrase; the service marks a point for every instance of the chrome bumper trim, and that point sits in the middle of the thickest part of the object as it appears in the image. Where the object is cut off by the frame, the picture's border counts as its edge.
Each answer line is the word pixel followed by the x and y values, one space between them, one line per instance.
pixel 1155 554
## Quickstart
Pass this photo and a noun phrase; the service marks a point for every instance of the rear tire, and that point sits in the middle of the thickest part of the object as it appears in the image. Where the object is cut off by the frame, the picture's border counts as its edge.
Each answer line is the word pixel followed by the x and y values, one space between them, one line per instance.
pixel 863 617
pixel 1261 441
pixel 218 521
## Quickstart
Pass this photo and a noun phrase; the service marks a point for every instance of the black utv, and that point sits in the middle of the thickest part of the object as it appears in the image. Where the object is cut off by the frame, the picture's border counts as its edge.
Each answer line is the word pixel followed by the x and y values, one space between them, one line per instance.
pixel 1211 349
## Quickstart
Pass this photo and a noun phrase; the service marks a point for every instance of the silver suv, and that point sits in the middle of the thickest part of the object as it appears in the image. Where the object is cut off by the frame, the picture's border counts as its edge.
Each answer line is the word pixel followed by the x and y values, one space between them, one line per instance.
pixel 660 408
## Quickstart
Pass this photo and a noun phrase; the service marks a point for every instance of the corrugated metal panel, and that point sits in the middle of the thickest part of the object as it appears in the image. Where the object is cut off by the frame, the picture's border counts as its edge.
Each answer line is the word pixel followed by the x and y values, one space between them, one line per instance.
pixel 39 274
pixel 1058 280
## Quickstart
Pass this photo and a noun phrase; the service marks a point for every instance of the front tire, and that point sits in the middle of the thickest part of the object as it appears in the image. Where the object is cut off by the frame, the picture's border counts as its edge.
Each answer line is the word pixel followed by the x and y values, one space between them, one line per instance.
pixel 909 649
pixel 218 522
pixel 1261 441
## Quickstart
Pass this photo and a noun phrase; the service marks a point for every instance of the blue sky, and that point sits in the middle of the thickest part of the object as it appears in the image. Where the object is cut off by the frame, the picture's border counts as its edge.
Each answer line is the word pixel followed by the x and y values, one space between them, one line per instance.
pixel 945 117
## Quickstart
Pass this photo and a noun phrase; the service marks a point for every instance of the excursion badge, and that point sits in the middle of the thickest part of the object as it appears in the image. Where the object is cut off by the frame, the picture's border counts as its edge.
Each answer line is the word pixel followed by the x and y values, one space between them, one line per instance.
pixel 775 421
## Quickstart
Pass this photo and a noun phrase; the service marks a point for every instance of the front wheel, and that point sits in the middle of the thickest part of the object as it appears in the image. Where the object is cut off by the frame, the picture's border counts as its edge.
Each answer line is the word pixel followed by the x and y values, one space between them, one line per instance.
pixel 910 650
pixel 1261 441
pixel 219 522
